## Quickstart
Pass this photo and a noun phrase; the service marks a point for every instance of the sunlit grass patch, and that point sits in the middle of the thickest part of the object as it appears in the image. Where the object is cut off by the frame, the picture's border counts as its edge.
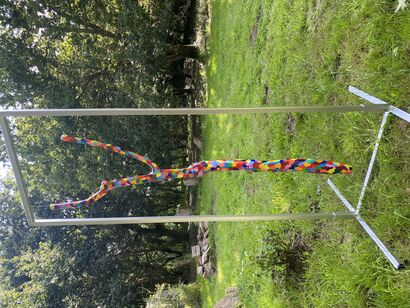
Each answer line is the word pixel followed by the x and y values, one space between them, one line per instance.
pixel 278 53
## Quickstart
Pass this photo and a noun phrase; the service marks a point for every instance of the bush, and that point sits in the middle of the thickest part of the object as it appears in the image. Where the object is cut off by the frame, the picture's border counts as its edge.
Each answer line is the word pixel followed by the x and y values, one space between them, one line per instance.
pixel 180 296
pixel 283 254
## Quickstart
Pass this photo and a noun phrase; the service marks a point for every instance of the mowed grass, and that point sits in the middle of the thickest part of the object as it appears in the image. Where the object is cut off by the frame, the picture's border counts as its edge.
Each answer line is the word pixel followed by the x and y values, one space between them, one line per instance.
pixel 301 52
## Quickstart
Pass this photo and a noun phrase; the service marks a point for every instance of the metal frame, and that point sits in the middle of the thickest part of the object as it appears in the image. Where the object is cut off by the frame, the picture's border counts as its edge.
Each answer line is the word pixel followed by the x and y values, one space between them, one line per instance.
pixel 351 213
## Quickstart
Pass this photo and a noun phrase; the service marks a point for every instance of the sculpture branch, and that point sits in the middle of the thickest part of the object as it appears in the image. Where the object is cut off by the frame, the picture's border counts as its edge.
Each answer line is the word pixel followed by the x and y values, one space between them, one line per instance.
pixel 198 169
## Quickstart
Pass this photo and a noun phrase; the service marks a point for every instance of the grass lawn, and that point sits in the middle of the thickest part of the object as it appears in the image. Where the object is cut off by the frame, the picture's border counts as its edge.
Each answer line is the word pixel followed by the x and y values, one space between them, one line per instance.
pixel 306 53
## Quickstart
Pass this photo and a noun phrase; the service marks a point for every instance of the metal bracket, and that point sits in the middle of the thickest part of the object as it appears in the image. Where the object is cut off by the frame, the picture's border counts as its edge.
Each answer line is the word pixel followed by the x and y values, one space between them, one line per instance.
pixel 397 263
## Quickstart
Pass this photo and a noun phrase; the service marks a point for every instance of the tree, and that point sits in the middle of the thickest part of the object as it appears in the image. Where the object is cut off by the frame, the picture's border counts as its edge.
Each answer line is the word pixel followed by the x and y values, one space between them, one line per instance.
pixel 59 54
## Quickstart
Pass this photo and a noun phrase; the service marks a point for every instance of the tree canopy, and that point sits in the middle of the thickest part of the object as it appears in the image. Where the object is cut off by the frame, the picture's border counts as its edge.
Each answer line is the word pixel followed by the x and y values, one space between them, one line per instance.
pixel 90 54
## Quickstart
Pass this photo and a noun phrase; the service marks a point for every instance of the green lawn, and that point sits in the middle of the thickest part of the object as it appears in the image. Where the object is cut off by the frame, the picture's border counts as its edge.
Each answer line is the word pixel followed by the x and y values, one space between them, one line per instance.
pixel 307 53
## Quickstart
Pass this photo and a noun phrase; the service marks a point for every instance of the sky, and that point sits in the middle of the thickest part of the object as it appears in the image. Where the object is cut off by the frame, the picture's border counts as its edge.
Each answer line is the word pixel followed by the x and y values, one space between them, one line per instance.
pixel 4 171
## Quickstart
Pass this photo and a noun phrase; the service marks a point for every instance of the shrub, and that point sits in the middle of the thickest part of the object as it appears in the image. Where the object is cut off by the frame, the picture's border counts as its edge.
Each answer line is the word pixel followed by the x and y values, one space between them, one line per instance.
pixel 283 254
pixel 179 296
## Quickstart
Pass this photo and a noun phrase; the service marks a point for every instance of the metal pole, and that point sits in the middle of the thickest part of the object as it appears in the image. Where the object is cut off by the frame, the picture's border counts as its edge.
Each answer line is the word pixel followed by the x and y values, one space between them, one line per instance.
pixel 397 264
pixel 16 169
pixel 392 259
pixel 188 111
pixel 374 100
pixel 400 113
pixel 341 197
pixel 372 160
pixel 193 218
pixel 366 96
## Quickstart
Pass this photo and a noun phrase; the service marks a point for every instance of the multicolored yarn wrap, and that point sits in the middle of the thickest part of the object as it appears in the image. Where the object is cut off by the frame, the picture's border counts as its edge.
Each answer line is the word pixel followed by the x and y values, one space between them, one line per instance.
pixel 196 170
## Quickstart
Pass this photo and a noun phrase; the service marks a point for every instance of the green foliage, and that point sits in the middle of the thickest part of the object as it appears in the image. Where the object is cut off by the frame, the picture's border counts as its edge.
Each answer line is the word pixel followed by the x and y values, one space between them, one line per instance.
pixel 82 54
pixel 45 273
pixel 283 255
pixel 86 54
pixel 84 266
pixel 179 296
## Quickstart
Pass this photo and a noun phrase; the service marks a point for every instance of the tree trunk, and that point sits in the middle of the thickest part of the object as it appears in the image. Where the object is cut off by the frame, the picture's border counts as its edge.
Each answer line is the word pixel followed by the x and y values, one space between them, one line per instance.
pixel 179 52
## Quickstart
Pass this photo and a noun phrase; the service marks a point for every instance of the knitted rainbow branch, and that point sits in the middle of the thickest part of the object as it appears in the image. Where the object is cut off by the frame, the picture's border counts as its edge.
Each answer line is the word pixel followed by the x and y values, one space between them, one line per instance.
pixel 197 170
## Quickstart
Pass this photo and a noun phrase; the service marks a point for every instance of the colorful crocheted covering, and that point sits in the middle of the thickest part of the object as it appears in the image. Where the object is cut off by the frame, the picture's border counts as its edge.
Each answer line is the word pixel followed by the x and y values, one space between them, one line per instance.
pixel 197 170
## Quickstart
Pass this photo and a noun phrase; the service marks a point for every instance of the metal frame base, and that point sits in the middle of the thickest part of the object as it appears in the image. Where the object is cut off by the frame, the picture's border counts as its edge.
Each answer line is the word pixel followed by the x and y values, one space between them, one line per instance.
pixel 395 262
pixel 377 106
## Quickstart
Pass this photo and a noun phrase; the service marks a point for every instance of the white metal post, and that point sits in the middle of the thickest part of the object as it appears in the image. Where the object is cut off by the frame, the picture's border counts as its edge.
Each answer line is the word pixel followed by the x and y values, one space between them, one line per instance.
pixel 189 218
pixel 372 160
pixel 187 111
pixel 16 169
pixel 374 100
pixel 397 264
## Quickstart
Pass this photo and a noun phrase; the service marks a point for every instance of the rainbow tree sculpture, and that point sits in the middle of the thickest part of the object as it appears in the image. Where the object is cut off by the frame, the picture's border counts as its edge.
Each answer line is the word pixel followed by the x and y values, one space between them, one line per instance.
pixel 196 170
